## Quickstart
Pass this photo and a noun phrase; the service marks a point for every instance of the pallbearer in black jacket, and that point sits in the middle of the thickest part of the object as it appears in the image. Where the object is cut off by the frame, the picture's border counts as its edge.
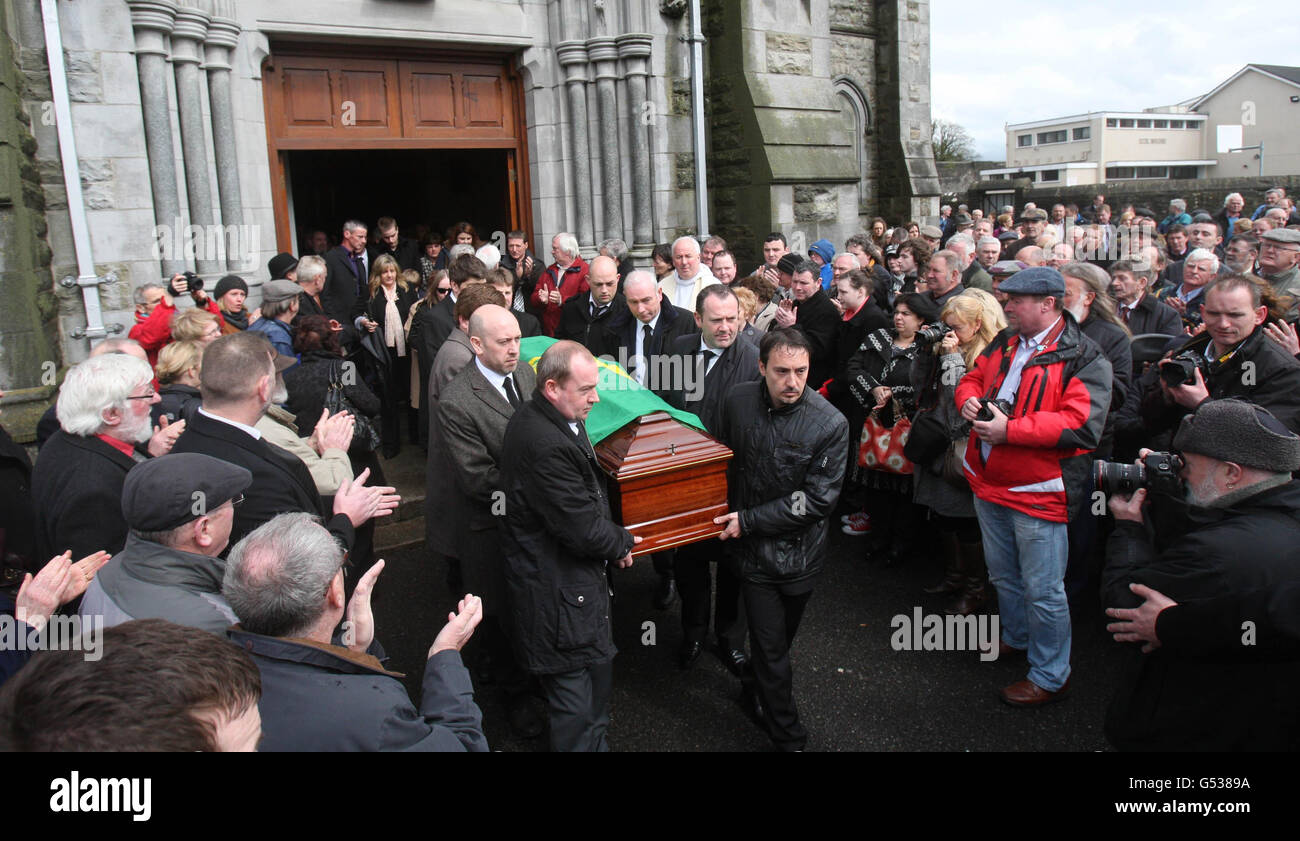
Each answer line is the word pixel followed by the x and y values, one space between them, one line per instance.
pixel 724 360
pixel 558 538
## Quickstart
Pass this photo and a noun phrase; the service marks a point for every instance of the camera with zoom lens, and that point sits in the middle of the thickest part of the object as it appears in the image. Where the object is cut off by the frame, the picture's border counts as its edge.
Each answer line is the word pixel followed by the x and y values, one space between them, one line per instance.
pixel 1158 473
pixel 1180 369
pixel 193 283
pixel 986 413
pixel 933 334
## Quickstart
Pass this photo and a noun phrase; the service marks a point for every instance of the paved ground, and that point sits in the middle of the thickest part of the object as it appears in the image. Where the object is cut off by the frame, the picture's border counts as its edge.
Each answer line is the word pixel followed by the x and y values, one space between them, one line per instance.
pixel 854 692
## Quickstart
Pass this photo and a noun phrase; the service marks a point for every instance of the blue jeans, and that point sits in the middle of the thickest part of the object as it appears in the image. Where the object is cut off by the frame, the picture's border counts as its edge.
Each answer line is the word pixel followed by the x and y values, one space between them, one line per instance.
pixel 1026 558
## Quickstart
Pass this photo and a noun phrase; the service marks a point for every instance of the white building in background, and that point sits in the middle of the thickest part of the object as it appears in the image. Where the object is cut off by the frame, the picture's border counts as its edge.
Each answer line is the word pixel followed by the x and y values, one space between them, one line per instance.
pixel 1259 104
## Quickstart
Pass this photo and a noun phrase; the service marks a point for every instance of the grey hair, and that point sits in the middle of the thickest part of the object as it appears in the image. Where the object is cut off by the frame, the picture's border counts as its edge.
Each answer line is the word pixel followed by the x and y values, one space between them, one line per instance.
pixel 489 254
pixel 853 258
pixel 694 243
pixel 310 268
pixel 987 240
pixel 278 575
pixel 567 243
pixel 275 309
pixel 964 239
pixel 640 275
pixel 1202 255
pixel 557 362
pixel 617 249
pixel 459 249
pixel 354 225
pixel 138 294
pixel 99 383
pixel 1180 204
pixel 1232 196
pixel 949 258
pixel 1096 279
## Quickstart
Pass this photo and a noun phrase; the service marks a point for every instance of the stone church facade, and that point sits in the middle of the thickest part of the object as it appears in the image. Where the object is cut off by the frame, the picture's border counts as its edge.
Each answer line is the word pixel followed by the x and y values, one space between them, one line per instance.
pixel 211 134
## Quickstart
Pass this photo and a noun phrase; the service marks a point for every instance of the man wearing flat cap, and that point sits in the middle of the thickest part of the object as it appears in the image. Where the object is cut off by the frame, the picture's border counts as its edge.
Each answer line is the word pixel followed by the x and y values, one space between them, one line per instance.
pixel 180 508
pixel 1244 537
pixel 1032 223
pixel 1279 264
pixel 1030 468
pixel 279 308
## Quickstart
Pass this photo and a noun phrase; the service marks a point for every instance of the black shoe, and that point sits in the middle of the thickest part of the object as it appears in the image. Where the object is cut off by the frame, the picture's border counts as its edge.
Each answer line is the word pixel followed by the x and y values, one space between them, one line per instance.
pixel 753 707
pixel 735 661
pixel 665 593
pixel 525 723
pixel 689 653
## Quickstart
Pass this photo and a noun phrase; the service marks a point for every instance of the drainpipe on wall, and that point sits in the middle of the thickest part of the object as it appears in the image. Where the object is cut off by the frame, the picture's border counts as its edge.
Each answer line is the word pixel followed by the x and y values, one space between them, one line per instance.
pixel 697 122
pixel 86 279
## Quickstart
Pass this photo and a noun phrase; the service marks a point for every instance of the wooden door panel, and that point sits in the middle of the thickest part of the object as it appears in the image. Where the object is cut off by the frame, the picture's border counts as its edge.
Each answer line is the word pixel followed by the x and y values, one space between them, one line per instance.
pixel 308 98
pixel 484 101
pixel 362 96
pixel 429 102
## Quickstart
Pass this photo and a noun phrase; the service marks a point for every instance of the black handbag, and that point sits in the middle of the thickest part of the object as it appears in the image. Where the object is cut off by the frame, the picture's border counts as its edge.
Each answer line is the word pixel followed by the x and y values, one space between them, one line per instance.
pixel 365 438
pixel 928 441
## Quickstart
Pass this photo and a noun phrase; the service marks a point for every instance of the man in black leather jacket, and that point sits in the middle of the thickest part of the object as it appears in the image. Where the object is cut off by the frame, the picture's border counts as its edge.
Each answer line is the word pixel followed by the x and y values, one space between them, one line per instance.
pixel 791 448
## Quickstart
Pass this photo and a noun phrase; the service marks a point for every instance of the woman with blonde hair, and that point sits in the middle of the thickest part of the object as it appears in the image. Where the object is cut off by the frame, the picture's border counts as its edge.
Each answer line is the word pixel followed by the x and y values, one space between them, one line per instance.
pixel 974 319
pixel 195 325
pixel 178 371
pixel 391 297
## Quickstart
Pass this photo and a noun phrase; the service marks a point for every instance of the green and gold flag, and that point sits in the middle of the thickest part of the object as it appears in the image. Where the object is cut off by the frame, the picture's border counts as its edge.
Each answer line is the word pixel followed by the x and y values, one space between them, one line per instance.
pixel 622 399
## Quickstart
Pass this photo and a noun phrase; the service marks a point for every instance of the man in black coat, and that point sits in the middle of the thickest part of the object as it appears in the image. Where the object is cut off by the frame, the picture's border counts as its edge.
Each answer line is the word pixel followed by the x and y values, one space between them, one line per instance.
pixel 348 275
pixel 404 250
pixel 1130 282
pixel 812 312
pixel 720 360
pixel 238 382
pixel 104 405
pixel 1245 537
pixel 584 318
pixel 791 451
pixel 637 338
pixel 559 538
pixel 1239 360
pixel 324 687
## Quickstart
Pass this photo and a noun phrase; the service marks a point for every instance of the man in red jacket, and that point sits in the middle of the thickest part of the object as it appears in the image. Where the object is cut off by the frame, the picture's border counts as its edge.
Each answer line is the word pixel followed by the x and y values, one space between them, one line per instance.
pixel 155 305
pixel 562 280
pixel 1029 468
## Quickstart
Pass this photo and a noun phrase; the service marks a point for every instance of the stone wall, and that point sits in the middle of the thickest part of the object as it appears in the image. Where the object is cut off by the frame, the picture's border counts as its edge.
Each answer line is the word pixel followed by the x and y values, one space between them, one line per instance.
pixel 907 185
pixel 29 358
pixel 957 177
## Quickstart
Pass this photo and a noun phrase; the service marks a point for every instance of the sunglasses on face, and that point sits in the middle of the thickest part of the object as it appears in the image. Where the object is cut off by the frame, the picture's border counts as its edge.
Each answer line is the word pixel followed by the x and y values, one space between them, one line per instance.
pixel 441 290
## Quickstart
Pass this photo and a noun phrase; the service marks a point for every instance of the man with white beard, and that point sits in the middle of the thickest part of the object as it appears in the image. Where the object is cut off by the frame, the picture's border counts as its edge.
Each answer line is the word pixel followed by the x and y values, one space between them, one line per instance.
pixel 103 412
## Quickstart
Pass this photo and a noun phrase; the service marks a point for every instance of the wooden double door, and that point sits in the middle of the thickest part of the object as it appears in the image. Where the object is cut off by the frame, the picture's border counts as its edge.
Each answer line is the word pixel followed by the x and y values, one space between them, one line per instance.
pixel 430 142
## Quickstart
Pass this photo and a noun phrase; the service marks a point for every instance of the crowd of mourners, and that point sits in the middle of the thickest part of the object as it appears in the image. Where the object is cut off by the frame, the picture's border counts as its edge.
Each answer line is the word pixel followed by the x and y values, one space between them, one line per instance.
pixel 1061 410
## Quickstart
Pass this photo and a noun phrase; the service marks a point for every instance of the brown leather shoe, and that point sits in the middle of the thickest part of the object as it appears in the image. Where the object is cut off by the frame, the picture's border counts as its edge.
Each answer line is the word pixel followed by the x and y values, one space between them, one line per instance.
pixel 1026 693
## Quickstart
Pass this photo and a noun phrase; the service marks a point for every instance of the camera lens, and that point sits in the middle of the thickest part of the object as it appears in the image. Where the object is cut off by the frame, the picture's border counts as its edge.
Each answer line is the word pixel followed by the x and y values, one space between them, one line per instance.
pixel 1117 479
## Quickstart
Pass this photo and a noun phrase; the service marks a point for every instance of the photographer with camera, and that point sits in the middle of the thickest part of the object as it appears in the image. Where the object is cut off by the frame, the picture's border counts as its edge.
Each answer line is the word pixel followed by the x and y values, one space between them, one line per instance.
pixel 155 306
pixel 1029 465
pixel 1235 460
pixel 1233 357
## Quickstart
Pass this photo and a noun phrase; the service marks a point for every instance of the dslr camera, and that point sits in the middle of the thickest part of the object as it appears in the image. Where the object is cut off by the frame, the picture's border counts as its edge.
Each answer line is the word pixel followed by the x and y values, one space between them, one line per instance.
pixel 1180 369
pixel 986 414
pixel 1158 473
pixel 193 283
pixel 933 334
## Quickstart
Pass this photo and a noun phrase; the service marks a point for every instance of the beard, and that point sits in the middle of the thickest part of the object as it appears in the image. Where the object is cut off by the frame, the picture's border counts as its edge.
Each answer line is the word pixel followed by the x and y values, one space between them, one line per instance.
pixel 1203 494
pixel 139 433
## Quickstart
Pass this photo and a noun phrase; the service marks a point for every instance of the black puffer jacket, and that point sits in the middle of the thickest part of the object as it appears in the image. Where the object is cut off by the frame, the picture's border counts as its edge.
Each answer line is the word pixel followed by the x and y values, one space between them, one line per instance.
pixel 784 479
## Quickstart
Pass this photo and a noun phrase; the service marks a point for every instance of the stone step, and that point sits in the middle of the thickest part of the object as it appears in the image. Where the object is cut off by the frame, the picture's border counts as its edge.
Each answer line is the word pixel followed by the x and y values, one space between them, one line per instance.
pixel 398 535
pixel 406 473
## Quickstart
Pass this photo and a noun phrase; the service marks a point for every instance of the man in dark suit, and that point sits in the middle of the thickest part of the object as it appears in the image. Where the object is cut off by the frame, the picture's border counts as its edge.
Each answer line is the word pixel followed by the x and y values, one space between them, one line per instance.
pixel 104 412
pixel 238 383
pixel 404 250
pixel 583 318
pixel 725 360
pixel 348 275
pixel 558 539
pixel 433 324
pixel 648 328
pixel 635 338
pixel 469 425
pixel 815 316
pixel 1130 283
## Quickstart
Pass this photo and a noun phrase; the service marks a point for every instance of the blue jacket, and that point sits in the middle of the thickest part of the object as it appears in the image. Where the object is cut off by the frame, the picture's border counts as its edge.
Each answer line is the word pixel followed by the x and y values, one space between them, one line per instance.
pixel 277 331
pixel 824 249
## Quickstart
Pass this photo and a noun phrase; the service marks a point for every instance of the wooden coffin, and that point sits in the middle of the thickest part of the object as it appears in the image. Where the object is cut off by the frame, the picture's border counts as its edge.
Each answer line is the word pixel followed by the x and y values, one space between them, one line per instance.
pixel 667 481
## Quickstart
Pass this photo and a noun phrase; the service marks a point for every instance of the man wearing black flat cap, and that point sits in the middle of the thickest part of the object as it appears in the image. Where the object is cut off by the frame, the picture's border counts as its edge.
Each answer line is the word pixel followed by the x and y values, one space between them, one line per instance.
pixel 1244 538
pixel 180 508
pixel 1032 222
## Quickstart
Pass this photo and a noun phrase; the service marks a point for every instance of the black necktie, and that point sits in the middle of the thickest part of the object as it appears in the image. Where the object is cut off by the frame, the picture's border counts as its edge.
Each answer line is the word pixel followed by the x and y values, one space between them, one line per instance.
pixel 511 394
pixel 597 310
pixel 646 333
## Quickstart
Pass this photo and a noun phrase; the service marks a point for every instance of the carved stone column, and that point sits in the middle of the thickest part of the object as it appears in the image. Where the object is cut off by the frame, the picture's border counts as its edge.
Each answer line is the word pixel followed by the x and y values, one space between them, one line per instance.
pixel 572 56
pixel 223 35
pixel 152 21
pixel 604 58
pixel 187 53
pixel 634 49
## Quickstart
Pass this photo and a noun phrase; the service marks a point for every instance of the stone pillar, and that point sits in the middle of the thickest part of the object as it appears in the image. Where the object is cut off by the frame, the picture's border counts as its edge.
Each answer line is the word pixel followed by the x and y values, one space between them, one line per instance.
pixel 223 35
pixel 604 57
pixel 572 56
pixel 187 53
pixel 634 49
pixel 152 20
